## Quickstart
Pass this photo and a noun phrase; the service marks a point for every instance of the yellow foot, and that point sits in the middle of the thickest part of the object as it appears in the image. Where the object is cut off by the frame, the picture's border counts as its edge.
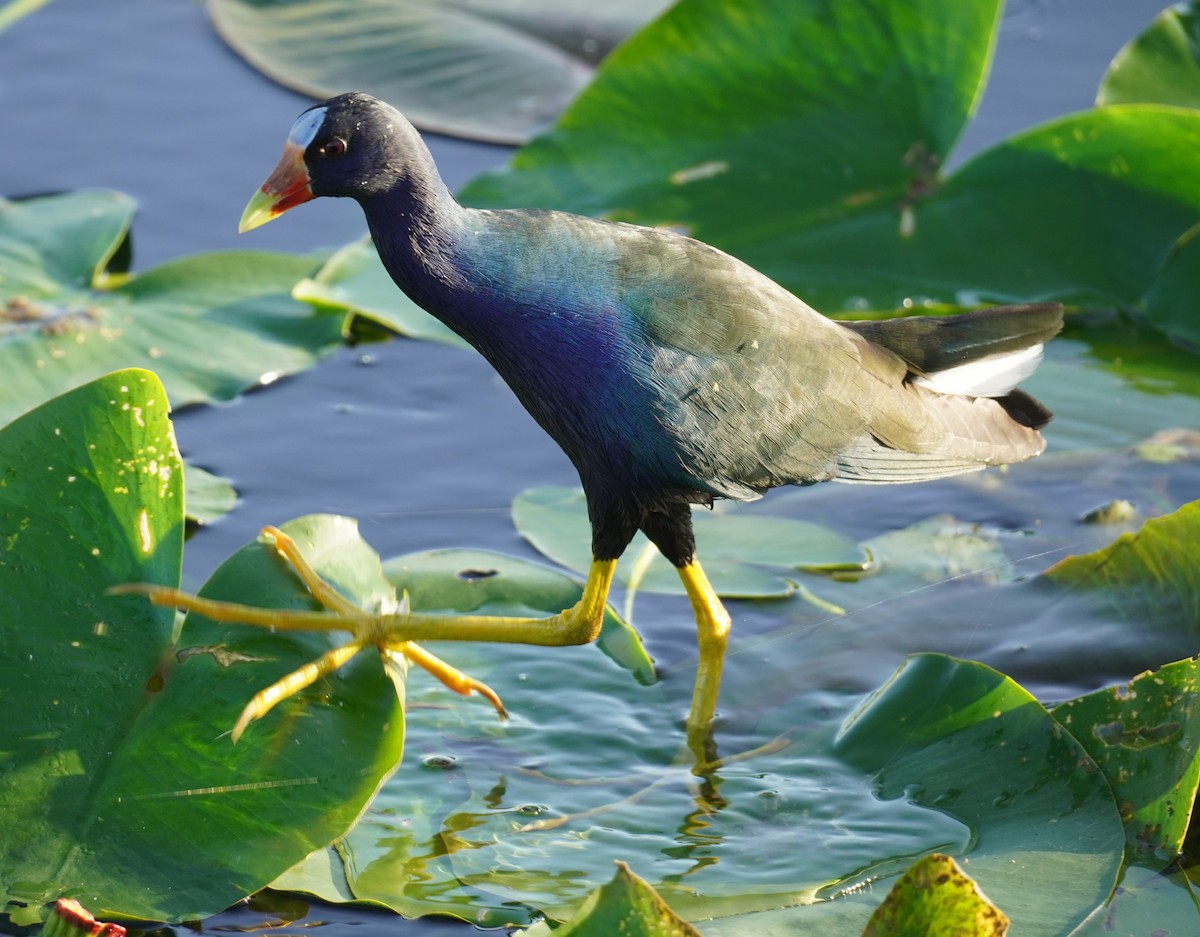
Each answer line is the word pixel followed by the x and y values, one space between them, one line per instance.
pixel 370 630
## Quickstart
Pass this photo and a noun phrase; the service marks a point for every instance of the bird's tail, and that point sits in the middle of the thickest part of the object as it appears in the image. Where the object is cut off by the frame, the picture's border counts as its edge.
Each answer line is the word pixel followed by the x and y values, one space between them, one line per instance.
pixel 964 412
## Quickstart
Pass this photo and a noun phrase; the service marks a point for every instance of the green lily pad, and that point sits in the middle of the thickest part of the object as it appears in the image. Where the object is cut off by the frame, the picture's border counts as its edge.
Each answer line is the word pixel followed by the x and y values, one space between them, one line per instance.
pixel 1161 66
pixel 118 723
pixel 732 547
pixel 935 898
pixel 211 325
pixel 472 581
pixel 353 282
pixel 708 112
pixel 876 226
pixel 392 857
pixel 500 71
pixel 939 548
pixel 960 738
pixel 207 496
pixel 1145 736
pixel 1171 303
pixel 1154 903
pixel 628 906
pixel 1153 572
pixel 486 819
pixel 91 496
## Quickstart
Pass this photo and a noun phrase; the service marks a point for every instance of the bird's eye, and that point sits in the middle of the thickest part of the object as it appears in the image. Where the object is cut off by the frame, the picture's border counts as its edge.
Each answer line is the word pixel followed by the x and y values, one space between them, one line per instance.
pixel 332 148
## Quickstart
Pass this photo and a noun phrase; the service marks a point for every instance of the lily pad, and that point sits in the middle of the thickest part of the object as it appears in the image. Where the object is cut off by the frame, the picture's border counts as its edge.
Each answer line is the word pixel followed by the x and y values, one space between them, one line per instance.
pixel 117 724
pixel 207 496
pixel 960 738
pixel 497 71
pixel 396 856
pixel 1145 736
pixel 733 548
pixel 1163 901
pixel 1153 572
pixel 211 325
pixel 1161 66
pixel 627 906
pixel 475 581
pixel 354 282
pixel 91 496
pixel 1171 303
pixel 937 549
pixel 936 899
pixel 704 120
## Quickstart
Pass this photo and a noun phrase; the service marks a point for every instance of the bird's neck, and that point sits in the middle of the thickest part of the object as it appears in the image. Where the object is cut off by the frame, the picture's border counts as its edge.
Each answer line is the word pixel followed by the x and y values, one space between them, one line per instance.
pixel 417 228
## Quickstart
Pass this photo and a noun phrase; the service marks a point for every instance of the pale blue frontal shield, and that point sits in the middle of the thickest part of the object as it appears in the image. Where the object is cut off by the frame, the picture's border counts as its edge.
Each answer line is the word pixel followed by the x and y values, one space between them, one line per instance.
pixel 306 127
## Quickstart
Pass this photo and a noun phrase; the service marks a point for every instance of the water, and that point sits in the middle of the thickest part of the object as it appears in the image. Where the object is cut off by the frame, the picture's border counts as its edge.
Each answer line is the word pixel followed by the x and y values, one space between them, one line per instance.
pixel 422 443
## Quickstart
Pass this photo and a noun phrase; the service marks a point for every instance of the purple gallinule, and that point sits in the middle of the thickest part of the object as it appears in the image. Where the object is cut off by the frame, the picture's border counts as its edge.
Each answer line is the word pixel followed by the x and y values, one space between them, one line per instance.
pixel 669 372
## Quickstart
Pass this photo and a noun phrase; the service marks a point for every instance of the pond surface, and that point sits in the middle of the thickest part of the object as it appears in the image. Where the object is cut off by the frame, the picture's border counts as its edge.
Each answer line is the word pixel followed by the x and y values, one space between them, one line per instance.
pixel 422 443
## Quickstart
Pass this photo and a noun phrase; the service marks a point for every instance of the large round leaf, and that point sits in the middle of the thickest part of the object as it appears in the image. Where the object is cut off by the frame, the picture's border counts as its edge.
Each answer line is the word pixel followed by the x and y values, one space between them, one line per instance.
pixel 498 70
pixel 1162 65
pixel 210 324
pixel 91 496
pixel 296 779
pixel 708 121
pixel 713 112
pixel 961 738
pixel 120 784
pixel 1145 736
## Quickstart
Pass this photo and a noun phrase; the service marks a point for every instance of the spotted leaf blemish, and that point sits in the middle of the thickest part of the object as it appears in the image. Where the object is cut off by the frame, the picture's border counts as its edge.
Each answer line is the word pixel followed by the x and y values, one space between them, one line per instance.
pixel 144 536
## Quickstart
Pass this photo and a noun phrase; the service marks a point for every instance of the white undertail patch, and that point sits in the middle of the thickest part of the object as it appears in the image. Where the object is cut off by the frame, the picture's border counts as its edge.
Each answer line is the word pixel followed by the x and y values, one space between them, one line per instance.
pixel 993 376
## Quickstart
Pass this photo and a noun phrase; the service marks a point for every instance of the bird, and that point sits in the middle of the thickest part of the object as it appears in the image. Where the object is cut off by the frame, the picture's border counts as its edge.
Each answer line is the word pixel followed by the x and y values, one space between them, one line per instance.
pixel 670 373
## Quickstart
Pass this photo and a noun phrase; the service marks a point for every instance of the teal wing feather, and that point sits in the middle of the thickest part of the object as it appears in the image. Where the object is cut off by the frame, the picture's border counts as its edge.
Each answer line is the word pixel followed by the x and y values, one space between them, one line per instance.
pixel 758 389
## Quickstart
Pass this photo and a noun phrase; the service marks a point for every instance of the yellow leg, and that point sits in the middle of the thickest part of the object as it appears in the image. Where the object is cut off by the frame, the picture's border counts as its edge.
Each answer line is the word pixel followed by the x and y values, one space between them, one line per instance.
pixel 712 626
pixel 392 632
pixel 449 676
pixel 579 624
pixel 264 700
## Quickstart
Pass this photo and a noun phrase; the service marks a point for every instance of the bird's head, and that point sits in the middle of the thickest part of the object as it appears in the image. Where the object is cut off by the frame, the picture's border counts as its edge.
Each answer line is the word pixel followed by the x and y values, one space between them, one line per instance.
pixel 340 147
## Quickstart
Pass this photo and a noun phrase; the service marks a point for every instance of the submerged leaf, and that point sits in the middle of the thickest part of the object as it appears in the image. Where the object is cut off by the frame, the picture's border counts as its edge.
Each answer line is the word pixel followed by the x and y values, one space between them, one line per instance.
pixel 211 325
pixel 497 71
